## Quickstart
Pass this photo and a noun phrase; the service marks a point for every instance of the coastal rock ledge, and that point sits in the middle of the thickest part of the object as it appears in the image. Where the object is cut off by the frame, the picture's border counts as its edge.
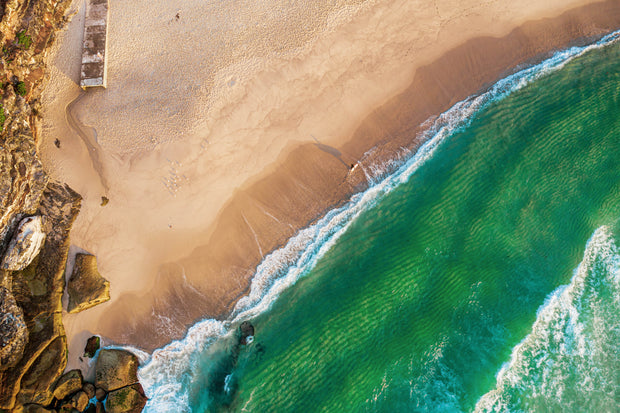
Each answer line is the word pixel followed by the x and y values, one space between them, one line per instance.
pixel 115 369
pixel 87 287
pixel 69 383
pixel 36 216
pixel 116 372
pixel 13 330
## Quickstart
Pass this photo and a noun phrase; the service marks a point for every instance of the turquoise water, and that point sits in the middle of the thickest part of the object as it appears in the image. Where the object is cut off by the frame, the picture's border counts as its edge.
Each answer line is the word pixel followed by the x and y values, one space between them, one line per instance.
pixel 485 275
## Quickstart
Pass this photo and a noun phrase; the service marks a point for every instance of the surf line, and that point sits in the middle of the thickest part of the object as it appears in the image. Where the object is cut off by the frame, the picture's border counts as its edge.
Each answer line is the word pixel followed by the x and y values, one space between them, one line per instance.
pixel 166 375
pixel 558 334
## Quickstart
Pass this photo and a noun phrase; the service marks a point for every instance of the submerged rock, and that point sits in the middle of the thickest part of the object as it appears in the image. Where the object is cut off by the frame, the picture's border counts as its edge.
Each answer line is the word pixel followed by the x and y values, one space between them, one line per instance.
pixel 13 330
pixel 25 244
pixel 130 399
pixel 68 384
pixel 86 286
pixel 92 345
pixel 115 369
pixel 246 330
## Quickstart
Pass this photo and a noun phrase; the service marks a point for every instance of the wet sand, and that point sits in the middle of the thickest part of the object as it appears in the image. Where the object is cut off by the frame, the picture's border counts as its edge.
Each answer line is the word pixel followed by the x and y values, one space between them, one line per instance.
pixel 224 131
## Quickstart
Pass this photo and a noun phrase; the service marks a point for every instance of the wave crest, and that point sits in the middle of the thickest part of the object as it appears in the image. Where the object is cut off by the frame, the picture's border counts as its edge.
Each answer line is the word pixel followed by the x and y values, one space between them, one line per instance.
pixel 569 361
pixel 167 373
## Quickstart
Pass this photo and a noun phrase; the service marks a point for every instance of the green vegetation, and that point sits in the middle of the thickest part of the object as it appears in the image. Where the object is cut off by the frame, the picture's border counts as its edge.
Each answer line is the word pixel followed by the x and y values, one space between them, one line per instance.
pixel 120 398
pixel 20 88
pixel 24 40
pixel 2 118
pixel 9 53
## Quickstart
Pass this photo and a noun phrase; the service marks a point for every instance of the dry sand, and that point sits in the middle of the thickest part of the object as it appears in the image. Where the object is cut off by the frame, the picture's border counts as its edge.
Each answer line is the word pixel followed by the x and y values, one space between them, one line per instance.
pixel 225 130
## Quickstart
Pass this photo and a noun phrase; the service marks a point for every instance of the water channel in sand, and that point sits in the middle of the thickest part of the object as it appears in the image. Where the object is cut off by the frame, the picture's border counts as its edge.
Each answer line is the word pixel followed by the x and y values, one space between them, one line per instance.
pixel 89 137
pixel 203 107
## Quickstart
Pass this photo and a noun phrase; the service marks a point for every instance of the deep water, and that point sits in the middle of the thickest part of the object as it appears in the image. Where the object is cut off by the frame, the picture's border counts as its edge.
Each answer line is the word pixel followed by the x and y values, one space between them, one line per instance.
pixel 489 280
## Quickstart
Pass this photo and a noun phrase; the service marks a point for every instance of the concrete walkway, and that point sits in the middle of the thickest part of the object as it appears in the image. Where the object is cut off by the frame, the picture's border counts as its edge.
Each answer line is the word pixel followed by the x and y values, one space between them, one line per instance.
pixel 94 66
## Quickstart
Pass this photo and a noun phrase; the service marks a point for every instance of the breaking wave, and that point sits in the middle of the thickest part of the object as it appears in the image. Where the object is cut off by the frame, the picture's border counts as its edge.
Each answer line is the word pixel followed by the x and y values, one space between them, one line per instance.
pixel 166 375
pixel 570 360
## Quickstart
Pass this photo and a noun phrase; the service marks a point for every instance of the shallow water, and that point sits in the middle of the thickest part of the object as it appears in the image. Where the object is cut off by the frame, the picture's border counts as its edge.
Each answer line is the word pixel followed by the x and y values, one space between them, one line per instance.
pixel 442 289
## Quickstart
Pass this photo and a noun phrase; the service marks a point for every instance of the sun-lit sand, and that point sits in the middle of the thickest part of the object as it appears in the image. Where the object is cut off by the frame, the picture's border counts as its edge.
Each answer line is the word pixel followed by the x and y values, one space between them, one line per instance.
pixel 216 114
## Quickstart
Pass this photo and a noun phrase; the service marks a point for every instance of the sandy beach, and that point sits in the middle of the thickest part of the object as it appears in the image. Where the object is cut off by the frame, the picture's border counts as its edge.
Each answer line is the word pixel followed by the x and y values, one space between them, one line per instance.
pixel 228 126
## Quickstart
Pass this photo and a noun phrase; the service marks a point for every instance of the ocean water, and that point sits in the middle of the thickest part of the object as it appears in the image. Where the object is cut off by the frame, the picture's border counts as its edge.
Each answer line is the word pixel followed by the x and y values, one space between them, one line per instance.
pixel 482 275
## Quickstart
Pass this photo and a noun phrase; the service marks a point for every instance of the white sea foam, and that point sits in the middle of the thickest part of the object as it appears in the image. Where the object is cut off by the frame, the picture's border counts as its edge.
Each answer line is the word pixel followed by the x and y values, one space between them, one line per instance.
pixel 565 358
pixel 167 373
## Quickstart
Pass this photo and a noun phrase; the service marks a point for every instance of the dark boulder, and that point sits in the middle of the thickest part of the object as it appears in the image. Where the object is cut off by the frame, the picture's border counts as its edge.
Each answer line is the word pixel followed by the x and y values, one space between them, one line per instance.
pixel 246 329
pixel 89 389
pixel 92 345
pixel 100 394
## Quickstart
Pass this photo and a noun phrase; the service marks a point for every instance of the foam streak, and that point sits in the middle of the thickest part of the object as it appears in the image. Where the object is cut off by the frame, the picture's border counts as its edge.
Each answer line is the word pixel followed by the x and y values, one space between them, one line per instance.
pixel 166 375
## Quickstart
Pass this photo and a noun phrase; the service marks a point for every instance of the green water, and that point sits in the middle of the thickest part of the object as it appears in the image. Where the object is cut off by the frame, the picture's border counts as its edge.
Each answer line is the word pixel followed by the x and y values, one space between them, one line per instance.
pixel 422 300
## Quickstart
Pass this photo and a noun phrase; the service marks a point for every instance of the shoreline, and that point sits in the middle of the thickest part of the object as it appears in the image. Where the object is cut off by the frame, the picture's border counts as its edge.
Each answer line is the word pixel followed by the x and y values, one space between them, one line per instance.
pixel 303 252
pixel 265 212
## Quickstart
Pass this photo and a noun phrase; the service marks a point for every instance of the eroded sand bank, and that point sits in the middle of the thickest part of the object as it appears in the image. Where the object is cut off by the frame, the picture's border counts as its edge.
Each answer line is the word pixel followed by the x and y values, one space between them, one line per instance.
pixel 227 126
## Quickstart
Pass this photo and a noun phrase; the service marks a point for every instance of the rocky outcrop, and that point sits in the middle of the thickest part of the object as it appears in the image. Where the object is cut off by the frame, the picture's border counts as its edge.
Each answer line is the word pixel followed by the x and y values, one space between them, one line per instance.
pixel 13 331
pixel 36 216
pixel 69 383
pixel 246 333
pixel 130 399
pixel 35 281
pixel 117 386
pixel 86 286
pixel 38 292
pixel 34 266
pixel 115 369
pixel 92 345
pixel 25 245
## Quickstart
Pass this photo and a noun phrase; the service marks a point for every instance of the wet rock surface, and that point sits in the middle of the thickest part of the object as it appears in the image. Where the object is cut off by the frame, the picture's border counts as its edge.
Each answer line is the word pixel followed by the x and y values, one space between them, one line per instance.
pixel 246 333
pixel 86 286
